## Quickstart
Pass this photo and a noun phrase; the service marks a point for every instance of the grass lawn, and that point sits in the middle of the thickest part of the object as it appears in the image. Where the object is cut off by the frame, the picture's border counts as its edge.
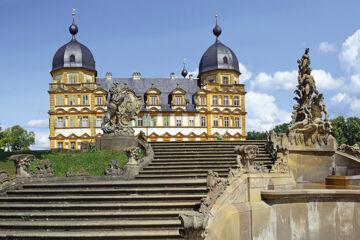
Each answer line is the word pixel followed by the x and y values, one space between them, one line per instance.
pixel 95 162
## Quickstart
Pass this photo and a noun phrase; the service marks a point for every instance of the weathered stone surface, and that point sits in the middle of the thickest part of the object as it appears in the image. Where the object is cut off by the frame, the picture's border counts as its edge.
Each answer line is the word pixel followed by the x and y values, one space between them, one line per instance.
pixel 123 107
pixel 114 169
pixel 4 176
pixel 43 169
pixel 80 173
pixel 22 163
pixel 352 150
pixel 216 186
pixel 194 224
pixel 281 163
pixel 115 143
pixel 246 157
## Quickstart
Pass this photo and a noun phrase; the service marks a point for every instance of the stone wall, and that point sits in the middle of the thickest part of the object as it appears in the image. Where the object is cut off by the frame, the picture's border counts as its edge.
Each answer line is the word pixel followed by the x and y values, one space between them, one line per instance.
pixel 248 211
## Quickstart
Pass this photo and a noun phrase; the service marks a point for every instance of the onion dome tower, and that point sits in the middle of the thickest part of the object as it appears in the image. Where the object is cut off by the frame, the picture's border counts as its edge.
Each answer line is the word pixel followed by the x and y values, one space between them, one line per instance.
pixel 184 72
pixel 73 54
pixel 218 58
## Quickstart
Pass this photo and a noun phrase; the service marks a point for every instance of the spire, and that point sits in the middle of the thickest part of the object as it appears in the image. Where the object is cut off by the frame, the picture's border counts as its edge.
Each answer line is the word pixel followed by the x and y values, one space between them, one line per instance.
pixel 73 28
pixel 217 29
pixel 184 72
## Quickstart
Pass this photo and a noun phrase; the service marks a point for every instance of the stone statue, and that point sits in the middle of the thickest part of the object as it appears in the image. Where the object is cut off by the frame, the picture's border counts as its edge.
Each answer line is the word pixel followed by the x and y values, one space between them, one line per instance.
pixel 307 116
pixel 22 163
pixel 281 163
pixel 123 107
pixel 246 157
pixel 43 169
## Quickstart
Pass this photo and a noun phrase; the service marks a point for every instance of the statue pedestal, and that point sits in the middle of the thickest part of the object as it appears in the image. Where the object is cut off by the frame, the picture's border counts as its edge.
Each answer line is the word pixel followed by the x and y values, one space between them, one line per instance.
pixel 116 143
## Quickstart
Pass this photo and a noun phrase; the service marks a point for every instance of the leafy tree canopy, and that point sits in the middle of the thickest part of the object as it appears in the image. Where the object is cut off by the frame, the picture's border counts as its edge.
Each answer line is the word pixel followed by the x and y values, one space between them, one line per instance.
pixel 253 135
pixel 346 131
pixel 281 128
pixel 16 138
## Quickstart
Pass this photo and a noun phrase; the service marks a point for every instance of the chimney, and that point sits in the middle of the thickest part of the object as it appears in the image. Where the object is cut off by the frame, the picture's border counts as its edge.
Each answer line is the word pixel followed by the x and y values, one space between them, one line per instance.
pixel 136 76
pixel 191 77
pixel 108 76
pixel 172 76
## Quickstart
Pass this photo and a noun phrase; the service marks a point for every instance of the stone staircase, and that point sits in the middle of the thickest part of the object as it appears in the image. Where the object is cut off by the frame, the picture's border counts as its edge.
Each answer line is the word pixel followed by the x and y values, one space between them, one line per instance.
pixel 145 208
pixel 193 159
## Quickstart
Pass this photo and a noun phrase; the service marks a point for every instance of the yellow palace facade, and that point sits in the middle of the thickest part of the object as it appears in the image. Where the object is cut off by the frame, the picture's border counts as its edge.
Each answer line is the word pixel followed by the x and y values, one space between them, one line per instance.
pixel 175 109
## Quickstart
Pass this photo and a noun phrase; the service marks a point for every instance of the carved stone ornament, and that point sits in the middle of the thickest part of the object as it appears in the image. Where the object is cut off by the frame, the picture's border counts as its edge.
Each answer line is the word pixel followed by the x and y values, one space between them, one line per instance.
pixel 4 177
pixel 43 169
pixel 123 107
pixel 194 224
pixel 133 153
pixel 22 163
pixel 216 186
pixel 352 150
pixel 281 163
pixel 246 156
pixel 307 125
pixel 114 169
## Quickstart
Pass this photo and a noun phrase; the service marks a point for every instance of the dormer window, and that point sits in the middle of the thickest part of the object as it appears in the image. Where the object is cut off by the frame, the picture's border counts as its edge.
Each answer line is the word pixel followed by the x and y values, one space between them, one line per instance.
pixel 178 100
pixel 72 58
pixel 153 100
pixel 225 59
pixel 225 80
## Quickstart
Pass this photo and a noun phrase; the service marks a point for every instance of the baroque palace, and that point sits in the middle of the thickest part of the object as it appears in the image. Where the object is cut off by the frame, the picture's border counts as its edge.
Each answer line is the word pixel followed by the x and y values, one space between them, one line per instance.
pixel 176 109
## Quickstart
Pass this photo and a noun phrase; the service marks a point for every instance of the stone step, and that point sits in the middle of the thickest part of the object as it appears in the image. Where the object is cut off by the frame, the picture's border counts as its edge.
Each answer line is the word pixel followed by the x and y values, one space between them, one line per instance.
pixel 189 163
pixel 112 192
pixel 127 198
pixel 158 205
pixel 200 158
pixel 206 154
pixel 90 224
pixel 85 214
pixel 199 143
pixel 172 176
pixel 181 171
pixel 184 166
pixel 201 149
pixel 117 184
pixel 91 235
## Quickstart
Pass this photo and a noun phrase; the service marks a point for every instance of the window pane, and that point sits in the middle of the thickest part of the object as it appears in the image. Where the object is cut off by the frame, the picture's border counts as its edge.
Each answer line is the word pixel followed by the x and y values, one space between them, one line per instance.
pixel 202 100
pixel 85 122
pixel 178 121
pixel 178 100
pixel 191 121
pixel 216 122
pixel 153 121
pixel 226 100
pixel 203 121
pixel 153 100
pixel 72 121
pixel 225 80
pixel 166 121
pixel 72 100
pixel 140 121
pixel 214 100
pixel 237 122
pixel 98 121
pixel 226 121
pixel 236 101
pixel 99 100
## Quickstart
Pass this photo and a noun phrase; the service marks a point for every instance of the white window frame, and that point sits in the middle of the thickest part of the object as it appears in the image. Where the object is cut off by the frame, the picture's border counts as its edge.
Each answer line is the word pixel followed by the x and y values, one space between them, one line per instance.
pixel 153 100
pixel 203 121
pixel 215 121
pixel 178 100
pixel 226 122
pixel 226 100
pixel 237 122
pixel 215 100
pixel 178 121
pixel 236 100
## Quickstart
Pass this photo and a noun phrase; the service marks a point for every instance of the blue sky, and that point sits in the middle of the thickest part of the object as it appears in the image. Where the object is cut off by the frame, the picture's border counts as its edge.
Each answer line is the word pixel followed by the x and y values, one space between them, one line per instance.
pixel 153 37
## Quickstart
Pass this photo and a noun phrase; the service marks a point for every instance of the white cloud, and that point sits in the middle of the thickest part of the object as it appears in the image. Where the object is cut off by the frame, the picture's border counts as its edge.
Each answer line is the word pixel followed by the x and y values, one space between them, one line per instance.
pixel 344 104
pixel 41 141
pixel 38 123
pixel 325 81
pixel 245 73
pixel 350 54
pixel 281 80
pixel 263 113
pixel 327 47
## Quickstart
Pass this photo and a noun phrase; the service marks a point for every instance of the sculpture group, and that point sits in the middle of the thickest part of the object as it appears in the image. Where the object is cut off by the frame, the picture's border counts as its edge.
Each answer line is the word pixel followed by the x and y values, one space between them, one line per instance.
pixel 123 107
pixel 307 116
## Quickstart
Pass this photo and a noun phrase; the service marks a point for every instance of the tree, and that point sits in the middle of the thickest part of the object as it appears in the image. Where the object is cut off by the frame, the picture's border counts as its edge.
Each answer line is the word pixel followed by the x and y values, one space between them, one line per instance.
pixel 16 138
pixel 256 135
pixel 338 129
pixel 346 131
pixel 282 128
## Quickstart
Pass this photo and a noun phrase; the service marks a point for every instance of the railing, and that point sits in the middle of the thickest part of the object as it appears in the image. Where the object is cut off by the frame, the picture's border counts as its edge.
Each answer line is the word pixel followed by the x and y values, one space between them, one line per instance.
pixel 54 86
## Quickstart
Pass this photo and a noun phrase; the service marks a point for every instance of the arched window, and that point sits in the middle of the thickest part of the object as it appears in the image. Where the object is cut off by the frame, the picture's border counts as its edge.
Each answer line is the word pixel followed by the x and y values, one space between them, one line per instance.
pixel 72 58
pixel 225 59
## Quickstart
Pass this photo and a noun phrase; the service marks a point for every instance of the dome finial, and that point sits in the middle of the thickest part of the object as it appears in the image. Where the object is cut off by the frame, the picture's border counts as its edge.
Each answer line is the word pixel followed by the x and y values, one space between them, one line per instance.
pixel 217 29
pixel 184 72
pixel 73 28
